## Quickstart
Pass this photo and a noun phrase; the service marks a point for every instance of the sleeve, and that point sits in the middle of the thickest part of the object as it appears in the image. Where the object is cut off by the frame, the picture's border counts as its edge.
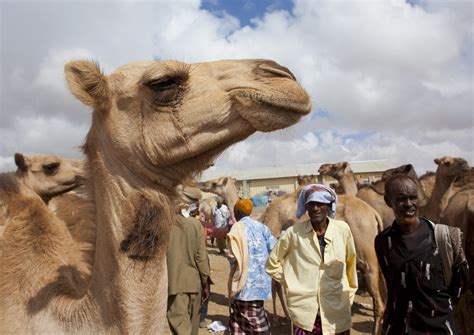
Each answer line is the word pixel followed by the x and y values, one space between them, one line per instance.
pixel 351 266
pixel 460 281
pixel 201 257
pixel 274 266
pixel 379 252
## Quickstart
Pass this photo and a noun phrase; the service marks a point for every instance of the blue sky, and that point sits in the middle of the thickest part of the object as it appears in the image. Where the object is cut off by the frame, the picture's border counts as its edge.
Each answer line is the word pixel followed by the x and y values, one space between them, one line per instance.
pixel 246 10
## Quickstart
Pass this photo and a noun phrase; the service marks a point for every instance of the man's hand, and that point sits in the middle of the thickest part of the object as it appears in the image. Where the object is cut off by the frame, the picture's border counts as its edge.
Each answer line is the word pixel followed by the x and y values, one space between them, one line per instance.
pixel 205 291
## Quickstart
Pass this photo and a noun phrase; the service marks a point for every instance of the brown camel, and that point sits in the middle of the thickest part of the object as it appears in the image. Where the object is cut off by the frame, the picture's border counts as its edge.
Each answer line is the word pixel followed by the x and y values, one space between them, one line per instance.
pixel 365 224
pixel 448 169
pixel 154 124
pixel 46 176
pixel 306 179
pixel 462 182
pixel 49 175
pixel 224 187
pixel 342 172
pixel 427 182
pixel 459 212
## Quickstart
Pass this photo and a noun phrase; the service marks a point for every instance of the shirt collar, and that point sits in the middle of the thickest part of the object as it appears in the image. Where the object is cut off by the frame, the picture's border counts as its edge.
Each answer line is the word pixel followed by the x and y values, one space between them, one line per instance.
pixel 330 231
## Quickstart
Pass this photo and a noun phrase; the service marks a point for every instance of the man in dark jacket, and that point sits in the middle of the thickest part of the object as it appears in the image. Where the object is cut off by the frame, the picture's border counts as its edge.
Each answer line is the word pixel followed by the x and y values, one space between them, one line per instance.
pixel 422 284
pixel 188 272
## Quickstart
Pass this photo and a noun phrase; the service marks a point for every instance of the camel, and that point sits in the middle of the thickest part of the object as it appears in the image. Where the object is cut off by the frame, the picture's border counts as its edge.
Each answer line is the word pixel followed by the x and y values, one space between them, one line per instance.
pixel 342 172
pixel 365 224
pixel 306 179
pixel 427 182
pixel 224 187
pixel 46 176
pixel 49 175
pixel 448 169
pixel 461 182
pixel 154 124
pixel 459 212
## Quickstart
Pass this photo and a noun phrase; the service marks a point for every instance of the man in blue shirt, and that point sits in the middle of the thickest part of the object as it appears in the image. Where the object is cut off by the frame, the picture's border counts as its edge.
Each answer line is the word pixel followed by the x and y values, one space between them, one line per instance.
pixel 249 243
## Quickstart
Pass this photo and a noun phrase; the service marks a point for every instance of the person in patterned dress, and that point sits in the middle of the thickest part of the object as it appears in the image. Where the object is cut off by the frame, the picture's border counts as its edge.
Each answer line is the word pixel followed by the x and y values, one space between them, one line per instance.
pixel 249 243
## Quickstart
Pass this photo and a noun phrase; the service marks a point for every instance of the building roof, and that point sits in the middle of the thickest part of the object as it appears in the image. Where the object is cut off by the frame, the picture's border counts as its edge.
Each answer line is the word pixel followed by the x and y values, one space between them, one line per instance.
pixel 271 172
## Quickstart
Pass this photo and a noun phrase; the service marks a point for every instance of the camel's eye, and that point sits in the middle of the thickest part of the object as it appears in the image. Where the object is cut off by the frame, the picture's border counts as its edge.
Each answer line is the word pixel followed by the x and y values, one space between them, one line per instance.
pixel 167 90
pixel 163 84
pixel 50 168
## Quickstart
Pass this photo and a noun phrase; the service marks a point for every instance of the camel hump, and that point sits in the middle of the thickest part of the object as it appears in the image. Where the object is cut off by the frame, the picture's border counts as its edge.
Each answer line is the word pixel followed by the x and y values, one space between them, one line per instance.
pixel 378 187
pixel 9 183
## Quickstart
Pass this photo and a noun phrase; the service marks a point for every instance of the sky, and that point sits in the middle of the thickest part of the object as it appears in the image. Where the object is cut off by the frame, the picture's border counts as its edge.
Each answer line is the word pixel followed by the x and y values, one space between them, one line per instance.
pixel 389 79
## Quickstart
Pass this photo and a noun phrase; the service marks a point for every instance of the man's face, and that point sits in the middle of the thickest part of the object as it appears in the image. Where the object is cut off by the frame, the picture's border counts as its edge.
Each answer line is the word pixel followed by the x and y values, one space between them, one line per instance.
pixel 317 211
pixel 403 199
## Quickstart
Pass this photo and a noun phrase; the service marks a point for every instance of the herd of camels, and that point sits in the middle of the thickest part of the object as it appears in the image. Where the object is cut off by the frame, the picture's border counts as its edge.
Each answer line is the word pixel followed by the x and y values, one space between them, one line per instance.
pixel 93 261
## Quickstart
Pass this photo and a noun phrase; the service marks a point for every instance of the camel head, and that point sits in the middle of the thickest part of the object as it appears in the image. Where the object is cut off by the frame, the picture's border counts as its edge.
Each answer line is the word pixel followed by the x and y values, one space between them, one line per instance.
pixel 337 170
pixel 217 186
pixel 451 167
pixel 306 179
pixel 49 176
pixel 407 169
pixel 188 193
pixel 173 119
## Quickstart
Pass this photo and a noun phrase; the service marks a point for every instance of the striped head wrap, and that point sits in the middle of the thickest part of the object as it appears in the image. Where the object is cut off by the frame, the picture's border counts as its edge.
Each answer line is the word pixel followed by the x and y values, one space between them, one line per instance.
pixel 319 193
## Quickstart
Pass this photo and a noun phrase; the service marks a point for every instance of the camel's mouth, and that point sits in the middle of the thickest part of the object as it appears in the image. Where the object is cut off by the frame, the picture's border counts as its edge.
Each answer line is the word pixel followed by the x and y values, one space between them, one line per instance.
pixel 274 110
pixel 299 106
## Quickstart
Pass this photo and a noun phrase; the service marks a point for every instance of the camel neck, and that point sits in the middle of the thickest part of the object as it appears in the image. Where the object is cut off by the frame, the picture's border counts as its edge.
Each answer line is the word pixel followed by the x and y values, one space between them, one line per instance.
pixel 349 184
pixel 432 209
pixel 129 217
pixel 231 198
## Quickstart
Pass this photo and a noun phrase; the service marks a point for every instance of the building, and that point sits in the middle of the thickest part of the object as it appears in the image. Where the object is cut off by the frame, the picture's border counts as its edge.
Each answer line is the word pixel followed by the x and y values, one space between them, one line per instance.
pixel 257 181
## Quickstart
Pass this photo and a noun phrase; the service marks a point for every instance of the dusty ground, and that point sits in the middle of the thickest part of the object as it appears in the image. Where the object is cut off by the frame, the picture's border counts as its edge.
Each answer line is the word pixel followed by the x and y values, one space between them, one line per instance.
pixel 218 305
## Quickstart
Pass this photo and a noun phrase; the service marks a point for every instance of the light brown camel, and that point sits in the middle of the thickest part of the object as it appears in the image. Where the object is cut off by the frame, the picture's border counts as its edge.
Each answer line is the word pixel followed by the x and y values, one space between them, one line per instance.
pixel 448 169
pixel 154 124
pixel 427 182
pixel 45 175
pixel 365 224
pixel 49 175
pixel 462 182
pixel 342 172
pixel 306 179
pixel 224 187
pixel 52 178
pixel 459 212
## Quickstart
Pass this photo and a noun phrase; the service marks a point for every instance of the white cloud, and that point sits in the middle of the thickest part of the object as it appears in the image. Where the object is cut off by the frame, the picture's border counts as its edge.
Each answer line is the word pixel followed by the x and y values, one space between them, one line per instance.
pixel 395 80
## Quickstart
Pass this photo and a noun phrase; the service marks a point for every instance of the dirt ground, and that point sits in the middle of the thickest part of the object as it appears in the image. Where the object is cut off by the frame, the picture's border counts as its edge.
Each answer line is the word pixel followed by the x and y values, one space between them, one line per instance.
pixel 219 311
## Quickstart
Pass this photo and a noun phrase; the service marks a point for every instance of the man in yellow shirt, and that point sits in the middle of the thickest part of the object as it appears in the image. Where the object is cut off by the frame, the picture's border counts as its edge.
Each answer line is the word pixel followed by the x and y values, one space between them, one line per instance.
pixel 315 261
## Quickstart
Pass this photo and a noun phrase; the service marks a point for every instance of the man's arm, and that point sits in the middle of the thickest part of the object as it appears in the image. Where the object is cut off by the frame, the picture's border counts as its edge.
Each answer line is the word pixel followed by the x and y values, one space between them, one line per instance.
pixel 201 258
pixel 274 266
pixel 351 266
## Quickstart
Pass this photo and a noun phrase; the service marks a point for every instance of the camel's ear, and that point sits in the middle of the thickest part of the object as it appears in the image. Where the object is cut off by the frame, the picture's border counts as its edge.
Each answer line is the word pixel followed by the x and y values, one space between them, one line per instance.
pixel 408 168
pixel 87 83
pixel 20 162
pixel 344 165
pixel 437 161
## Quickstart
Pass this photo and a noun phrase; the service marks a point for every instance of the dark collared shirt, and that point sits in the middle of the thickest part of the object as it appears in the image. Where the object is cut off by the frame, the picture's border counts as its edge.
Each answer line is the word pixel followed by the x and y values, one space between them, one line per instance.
pixel 419 301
